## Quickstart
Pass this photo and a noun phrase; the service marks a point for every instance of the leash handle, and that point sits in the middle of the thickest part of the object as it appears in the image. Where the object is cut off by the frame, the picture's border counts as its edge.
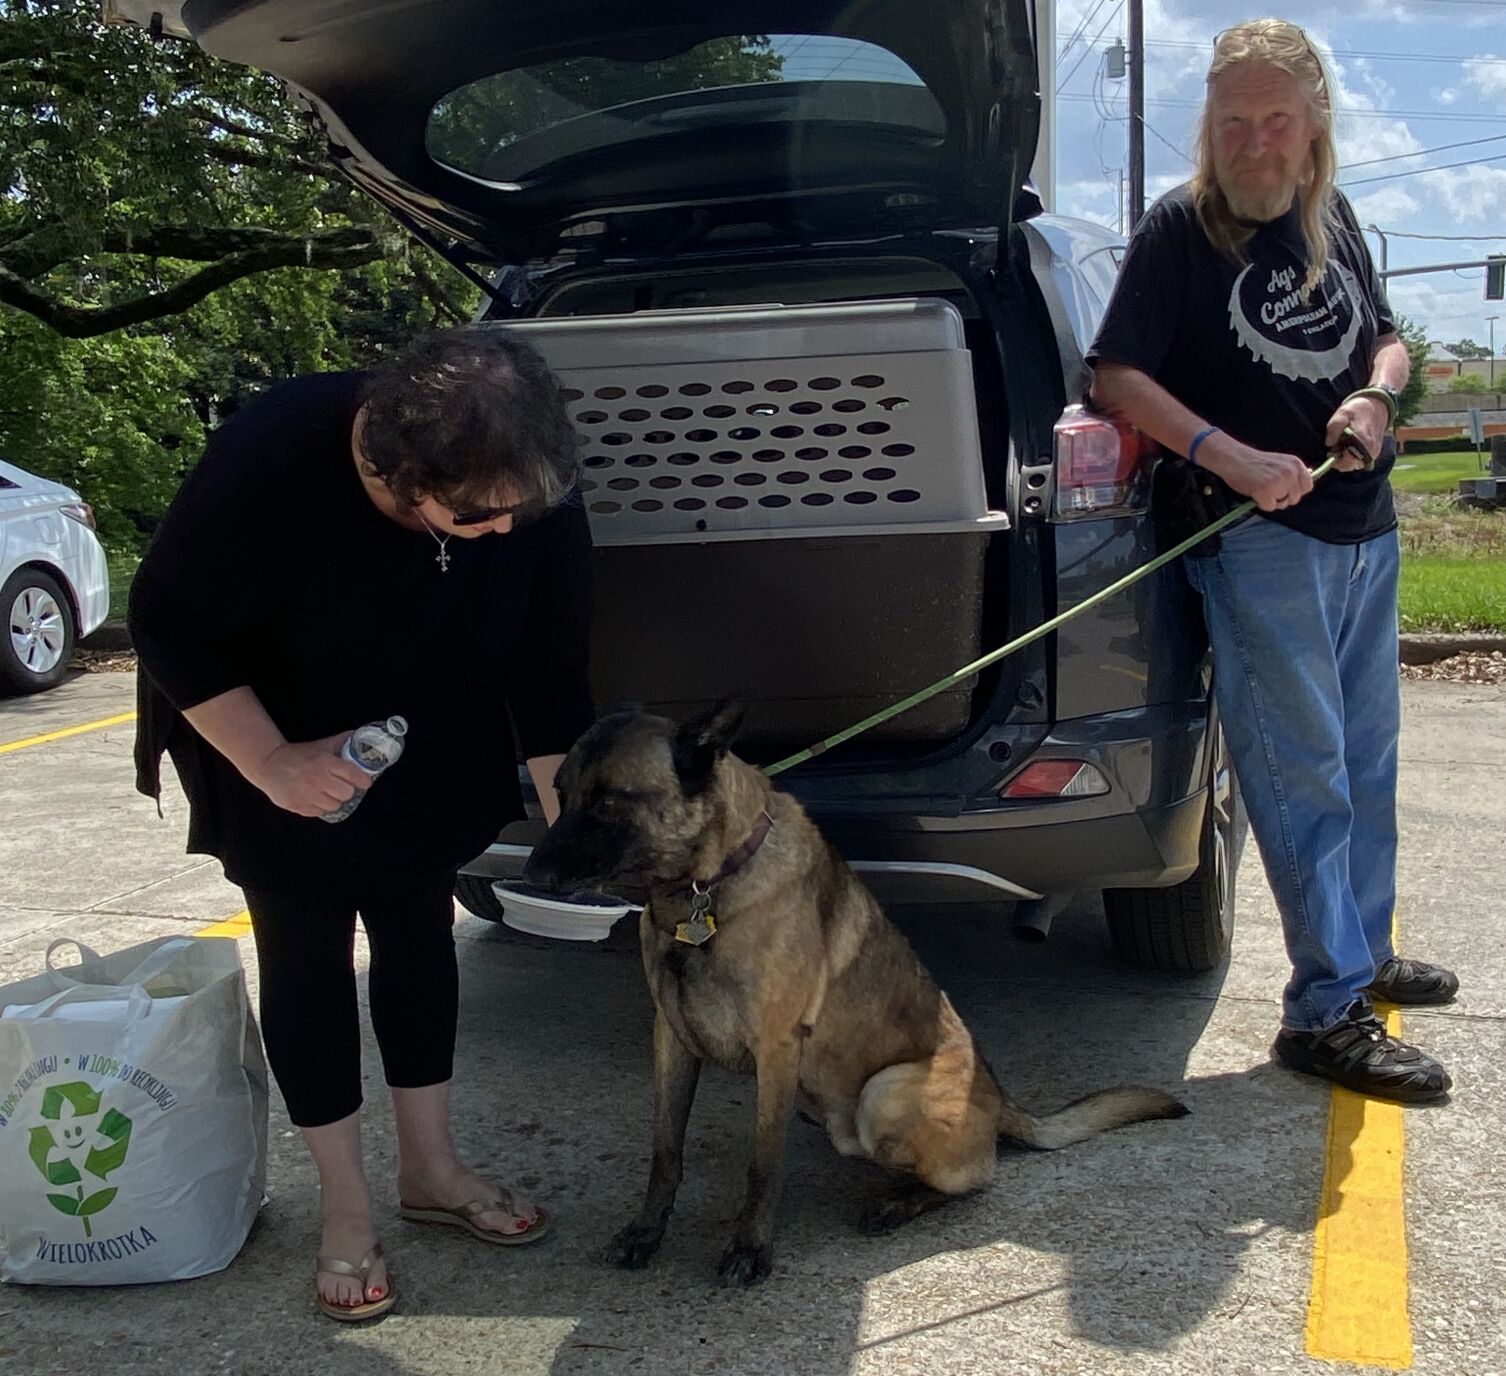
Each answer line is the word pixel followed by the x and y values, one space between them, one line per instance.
pixel 1019 643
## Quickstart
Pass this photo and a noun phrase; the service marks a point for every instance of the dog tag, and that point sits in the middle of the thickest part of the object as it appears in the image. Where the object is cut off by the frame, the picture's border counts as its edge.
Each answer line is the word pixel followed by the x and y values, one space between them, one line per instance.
pixel 702 925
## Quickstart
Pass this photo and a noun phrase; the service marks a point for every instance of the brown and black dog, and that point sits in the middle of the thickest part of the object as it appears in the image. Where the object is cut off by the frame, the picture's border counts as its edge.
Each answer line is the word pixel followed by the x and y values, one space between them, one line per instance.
pixel 792 972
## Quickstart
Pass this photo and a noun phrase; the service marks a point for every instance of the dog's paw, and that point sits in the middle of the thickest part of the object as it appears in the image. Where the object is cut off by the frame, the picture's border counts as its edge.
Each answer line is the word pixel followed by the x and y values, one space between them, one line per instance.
pixel 745 1264
pixel 633 1248
pixel 884 1215
pixel 895 1209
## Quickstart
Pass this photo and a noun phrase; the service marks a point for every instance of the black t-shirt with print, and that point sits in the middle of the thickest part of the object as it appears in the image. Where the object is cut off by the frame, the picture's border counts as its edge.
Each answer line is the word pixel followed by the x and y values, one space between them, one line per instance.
pixel 1236 344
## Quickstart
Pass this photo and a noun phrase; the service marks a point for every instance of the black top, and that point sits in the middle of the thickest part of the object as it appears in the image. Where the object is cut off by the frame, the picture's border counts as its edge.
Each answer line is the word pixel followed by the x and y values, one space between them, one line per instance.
pixel 1234 343
pixel 273 569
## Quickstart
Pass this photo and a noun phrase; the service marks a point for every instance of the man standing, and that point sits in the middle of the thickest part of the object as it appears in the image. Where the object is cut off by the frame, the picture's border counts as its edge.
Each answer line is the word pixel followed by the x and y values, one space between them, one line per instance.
pixel 1249 332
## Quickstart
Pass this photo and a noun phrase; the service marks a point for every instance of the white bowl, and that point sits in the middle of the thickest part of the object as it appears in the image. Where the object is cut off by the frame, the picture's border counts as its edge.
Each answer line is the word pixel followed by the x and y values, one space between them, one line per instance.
pixel 566 917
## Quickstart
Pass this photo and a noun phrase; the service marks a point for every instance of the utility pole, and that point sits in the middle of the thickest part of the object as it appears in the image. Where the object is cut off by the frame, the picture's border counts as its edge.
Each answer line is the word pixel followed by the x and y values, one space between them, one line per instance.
pixel 1381 235
pixel 1492 320
pixel 1136 37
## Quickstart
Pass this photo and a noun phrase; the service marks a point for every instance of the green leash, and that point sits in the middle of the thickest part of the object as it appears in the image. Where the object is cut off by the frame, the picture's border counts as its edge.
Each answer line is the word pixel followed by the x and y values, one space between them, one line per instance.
pixel 1019 643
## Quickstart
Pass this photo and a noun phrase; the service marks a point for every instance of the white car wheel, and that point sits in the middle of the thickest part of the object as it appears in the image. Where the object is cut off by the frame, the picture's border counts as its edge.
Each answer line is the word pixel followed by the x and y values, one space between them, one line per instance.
pixel 39 633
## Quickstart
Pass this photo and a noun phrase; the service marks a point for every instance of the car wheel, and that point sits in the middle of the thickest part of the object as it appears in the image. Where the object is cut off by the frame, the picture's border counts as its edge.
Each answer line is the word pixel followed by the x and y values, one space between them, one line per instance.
pixel 476 897
pixel 1188 927
pixel 36 647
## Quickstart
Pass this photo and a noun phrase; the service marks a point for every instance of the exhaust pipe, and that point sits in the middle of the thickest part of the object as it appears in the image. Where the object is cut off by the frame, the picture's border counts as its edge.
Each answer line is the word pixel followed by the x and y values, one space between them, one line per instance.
pixel 1033 917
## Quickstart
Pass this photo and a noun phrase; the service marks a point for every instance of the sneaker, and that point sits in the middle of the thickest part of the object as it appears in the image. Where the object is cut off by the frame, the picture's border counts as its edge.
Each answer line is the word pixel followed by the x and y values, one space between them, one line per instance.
pixel 1413 982
pixel 1359 1054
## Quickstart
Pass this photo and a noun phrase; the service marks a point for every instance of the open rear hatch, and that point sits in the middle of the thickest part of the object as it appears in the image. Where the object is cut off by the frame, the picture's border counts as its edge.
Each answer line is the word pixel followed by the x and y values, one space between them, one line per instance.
pixel 499 124
pixel 788 501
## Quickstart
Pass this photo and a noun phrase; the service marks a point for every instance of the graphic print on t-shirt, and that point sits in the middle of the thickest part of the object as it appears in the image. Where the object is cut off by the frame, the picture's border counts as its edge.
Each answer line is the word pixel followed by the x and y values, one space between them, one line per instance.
pixel 1308 339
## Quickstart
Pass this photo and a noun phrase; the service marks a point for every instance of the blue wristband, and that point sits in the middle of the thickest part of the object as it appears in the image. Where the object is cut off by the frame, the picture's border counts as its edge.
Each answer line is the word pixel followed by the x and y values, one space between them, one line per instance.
pixel 1197 440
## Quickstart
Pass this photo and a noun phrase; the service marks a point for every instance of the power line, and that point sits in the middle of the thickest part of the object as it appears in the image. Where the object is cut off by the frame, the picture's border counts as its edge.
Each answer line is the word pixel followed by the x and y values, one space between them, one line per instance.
pixel 1089 48
pixel 1451 238
pixel 1187 43
pixel 1441 148
pixel 1151 129
pixel 1418 171
pixel 1078 32
pixel 1349 112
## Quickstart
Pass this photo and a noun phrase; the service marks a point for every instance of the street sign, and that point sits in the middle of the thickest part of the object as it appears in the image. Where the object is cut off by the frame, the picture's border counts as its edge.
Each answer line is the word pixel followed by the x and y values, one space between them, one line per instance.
pixel 1476 426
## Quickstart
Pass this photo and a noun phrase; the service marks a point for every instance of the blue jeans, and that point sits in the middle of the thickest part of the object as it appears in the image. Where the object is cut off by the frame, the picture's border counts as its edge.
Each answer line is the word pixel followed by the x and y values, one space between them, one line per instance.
pixel 1305 673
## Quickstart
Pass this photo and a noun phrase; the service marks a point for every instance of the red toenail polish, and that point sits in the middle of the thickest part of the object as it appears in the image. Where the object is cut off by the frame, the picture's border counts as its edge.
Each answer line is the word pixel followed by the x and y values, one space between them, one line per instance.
pixel 376 1293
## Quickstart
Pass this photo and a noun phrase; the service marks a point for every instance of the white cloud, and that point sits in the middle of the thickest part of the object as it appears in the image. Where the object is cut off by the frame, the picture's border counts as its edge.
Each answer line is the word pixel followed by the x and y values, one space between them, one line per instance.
pixel 1487 74
pixel 1449 306
pixel 1378 86
pixel 1386 205
pixel 1090 199
pixel 1447 96
pixel 1467 193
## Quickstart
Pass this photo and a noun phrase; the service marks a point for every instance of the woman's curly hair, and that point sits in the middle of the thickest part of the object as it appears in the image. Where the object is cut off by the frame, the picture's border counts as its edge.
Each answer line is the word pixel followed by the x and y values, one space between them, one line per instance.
pixel 468 415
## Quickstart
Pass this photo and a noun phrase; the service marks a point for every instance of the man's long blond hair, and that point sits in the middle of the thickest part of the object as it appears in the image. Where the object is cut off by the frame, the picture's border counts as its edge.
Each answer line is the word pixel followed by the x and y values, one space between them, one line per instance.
pixel 1283 46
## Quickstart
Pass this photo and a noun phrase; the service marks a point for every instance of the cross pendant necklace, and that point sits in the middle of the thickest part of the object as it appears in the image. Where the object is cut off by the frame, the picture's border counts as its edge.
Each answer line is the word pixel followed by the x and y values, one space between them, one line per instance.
pixel 443 557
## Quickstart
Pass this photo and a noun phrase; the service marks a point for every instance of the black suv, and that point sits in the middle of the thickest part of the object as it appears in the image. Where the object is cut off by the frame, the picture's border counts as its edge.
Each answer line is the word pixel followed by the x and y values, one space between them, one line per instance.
pixel 824 349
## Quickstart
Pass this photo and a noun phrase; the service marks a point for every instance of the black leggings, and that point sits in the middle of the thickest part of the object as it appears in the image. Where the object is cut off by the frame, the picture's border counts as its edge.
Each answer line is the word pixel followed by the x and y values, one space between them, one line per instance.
pixel 309 1017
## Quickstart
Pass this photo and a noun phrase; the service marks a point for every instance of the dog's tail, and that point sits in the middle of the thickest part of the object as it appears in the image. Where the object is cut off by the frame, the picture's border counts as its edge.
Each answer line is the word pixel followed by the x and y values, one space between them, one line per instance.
pixel 1086 1117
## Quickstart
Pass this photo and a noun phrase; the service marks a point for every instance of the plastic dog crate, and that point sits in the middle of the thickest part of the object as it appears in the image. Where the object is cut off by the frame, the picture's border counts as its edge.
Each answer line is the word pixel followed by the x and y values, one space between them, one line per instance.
pixel 787 504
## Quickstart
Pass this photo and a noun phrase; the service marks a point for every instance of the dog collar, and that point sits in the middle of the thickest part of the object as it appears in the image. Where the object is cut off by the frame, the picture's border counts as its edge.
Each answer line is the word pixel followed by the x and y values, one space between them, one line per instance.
pixel 744 852
pixel 702 925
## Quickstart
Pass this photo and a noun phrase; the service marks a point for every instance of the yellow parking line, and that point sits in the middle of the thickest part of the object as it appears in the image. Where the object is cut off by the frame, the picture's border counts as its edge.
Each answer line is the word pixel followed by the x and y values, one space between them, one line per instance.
pixel 1357 1308
pixel 236 926
pixel 124 717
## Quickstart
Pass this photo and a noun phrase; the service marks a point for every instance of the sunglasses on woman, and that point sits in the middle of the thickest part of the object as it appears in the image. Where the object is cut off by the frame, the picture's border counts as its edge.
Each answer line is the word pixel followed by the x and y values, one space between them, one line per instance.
pixel 521 513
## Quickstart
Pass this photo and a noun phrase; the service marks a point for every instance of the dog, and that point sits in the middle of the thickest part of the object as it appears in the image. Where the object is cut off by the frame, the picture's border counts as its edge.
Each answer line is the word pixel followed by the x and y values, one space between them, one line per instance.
pixel 765 953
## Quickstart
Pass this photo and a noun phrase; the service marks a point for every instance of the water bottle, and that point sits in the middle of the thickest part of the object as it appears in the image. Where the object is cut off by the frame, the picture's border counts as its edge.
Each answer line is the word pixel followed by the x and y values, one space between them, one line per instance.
pixel 372 748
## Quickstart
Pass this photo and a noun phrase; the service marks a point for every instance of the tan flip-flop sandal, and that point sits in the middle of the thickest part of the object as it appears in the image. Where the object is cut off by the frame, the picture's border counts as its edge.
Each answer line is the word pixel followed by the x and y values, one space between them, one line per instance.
pixel 368 1309
pixel 465 1215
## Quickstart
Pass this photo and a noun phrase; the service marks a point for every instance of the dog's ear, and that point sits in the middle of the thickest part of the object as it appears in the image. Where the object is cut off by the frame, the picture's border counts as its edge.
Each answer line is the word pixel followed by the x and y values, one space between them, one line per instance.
pixel 703 739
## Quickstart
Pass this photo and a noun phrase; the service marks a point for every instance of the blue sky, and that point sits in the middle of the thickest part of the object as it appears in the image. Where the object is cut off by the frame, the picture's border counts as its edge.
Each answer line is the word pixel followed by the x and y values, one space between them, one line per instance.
pixel 1410 78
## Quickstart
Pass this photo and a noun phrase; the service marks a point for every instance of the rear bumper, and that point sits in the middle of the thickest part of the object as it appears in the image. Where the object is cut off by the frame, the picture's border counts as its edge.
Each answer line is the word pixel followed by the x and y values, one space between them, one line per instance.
pixel 937 832
pixel 975 863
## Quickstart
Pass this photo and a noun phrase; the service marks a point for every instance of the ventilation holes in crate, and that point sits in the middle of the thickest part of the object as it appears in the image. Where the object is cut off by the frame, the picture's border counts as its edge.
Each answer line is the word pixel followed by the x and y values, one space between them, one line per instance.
pixel 835 397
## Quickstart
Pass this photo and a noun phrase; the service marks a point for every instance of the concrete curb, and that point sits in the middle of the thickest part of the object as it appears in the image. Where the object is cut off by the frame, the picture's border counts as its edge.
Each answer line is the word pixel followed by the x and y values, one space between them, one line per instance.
pixel 1428 647
pixel 1422 648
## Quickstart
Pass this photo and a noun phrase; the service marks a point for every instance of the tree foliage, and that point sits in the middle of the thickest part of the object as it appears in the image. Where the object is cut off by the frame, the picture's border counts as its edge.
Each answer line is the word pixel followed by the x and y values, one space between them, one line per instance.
pixel 171 239
pixel 1415 337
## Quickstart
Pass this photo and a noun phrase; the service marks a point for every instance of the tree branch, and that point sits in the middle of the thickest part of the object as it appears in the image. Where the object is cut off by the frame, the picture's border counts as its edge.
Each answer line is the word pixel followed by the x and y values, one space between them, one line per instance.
pixel 240 130
pixel 82 322
pixel 278 162
pixel 36 251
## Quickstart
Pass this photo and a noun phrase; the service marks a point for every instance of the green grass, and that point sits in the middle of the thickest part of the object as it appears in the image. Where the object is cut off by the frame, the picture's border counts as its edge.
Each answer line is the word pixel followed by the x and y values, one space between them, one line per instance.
pixel 1440 594
pixel 1453 569
pixel 1434 472
pixel 122 571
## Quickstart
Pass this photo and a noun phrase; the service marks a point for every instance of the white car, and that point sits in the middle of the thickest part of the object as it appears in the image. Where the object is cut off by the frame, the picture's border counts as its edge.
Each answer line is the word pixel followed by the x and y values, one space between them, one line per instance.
pixel 54 579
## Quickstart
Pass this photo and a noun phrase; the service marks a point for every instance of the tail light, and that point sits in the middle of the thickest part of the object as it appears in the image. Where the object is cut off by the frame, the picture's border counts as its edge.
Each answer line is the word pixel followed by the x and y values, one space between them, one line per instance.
pixel 1056 779
pixel 1102 467
pixel 81 512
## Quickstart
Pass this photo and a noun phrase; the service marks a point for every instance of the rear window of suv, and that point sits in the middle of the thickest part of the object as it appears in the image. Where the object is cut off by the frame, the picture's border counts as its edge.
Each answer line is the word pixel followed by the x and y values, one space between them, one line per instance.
pixel 506 127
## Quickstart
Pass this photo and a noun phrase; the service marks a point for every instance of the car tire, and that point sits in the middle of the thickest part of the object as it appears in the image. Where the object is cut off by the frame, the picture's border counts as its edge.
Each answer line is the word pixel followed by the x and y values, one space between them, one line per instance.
pixel 475 895
pixel 37 632
pixel 1187 928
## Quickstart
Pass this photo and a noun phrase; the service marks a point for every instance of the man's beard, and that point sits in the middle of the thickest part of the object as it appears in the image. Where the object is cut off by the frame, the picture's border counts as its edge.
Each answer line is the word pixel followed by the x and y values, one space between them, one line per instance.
pixel 1260 203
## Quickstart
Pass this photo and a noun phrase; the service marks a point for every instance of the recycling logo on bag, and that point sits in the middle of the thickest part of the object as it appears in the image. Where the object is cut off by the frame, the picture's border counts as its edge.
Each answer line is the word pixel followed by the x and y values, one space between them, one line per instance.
pixel 74 1108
